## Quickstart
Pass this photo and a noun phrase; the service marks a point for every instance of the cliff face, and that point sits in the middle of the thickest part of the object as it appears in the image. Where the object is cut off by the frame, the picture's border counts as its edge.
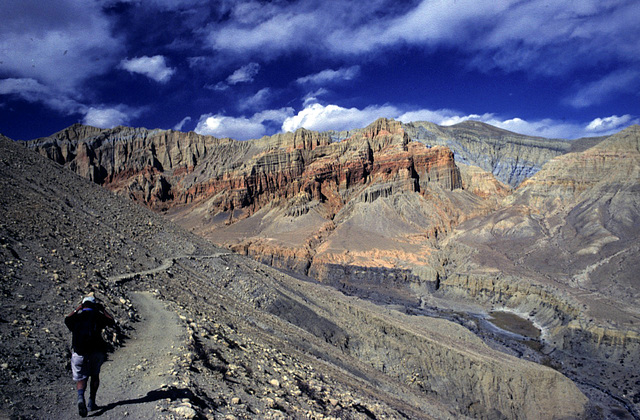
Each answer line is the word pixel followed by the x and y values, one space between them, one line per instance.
pixel 563 248
pixel 374 213
pixel 577 218
pixel 511 157
pixel 163 169
pixel 243 194
pixel 283 347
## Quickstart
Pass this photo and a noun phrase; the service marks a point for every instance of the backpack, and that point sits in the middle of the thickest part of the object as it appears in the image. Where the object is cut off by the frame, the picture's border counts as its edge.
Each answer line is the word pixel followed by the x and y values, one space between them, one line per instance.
pixel 86 332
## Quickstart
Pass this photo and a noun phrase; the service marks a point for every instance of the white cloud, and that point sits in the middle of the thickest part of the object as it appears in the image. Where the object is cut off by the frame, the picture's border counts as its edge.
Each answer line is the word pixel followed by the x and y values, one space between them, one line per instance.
pixel 244 74
pixel 240 128
pixel 60 44
pixel 330 76
pixel 274 115
pixel 429 23
pixel 153 67
pixel 220 86
pixel 537 36
pixel 106 117
pixel 546 127
pixel 178 127
pixel 268 32
pixel 333 117
pixel 257 100
pixel 33 91
pixel 101 116
pixel 312 97
pixel 610 124
pixel 600 90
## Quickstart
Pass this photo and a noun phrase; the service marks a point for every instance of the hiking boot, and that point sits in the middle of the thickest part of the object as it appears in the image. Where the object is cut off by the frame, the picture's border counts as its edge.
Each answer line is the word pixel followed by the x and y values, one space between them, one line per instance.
pixel 91 404
pixel 82 408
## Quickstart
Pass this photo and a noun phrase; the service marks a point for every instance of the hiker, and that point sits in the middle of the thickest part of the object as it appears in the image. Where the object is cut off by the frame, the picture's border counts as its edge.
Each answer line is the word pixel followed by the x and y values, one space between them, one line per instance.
pixel 89 349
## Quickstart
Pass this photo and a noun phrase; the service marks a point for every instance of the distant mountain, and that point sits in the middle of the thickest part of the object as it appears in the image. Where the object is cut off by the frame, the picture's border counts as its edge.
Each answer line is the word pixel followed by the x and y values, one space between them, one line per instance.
pixel 389 212
pixel 253 342
pixel 511 157
pixel 299 201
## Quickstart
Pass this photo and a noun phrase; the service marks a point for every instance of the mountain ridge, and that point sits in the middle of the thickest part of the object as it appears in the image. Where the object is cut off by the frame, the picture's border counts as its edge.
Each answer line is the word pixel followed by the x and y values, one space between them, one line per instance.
pixel 256 341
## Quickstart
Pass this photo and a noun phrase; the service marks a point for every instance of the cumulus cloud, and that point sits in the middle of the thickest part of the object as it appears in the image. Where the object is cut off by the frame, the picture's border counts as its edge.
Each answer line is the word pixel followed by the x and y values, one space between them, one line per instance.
pixel 333 117
pixel 330 76
pixel 241 128
pixel 610 124
pixel 153 67
pixel 106 117
pixel 244 74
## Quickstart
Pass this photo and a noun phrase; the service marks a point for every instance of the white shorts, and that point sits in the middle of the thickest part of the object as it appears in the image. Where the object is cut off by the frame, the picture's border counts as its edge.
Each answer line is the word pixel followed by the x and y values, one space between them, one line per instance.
pixel 83 366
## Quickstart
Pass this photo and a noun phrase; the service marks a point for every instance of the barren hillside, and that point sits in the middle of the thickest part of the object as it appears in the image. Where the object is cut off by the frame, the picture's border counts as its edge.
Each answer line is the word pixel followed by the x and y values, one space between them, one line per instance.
pixel 256 341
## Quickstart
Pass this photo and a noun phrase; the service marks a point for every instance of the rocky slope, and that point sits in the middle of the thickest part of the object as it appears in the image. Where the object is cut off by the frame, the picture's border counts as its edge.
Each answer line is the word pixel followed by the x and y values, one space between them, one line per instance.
pixel 257 342
pixel 378 215
pixel 297 200
pixel 511 157
pixel 563 250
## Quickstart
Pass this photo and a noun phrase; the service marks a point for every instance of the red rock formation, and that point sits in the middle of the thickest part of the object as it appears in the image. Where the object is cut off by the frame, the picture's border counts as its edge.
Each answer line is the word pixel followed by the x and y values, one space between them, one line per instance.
pixel 163 169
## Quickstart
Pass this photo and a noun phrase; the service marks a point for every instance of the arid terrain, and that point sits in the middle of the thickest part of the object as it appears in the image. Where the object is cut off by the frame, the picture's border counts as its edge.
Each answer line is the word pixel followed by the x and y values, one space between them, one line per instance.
pixel 337 274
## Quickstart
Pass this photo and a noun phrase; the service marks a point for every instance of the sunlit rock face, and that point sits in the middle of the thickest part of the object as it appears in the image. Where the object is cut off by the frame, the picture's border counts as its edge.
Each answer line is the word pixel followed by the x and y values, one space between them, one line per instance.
pixel 409 213
pixel 511 157
pixel 563 248
pixel 269 334
pixel 296 200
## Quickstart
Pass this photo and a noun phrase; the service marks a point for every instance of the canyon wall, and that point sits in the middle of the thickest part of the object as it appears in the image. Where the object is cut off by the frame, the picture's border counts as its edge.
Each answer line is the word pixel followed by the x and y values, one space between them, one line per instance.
pixel 379 213
pixel 511 157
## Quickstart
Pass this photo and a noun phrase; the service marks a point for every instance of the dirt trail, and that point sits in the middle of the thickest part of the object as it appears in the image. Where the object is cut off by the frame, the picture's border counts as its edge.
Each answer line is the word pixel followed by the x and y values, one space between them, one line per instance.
pixel 166 264
pixel 137 376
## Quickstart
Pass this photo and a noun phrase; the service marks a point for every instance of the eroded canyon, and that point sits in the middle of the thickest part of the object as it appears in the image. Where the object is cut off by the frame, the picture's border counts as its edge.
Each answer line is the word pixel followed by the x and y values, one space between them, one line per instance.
pixel 435 227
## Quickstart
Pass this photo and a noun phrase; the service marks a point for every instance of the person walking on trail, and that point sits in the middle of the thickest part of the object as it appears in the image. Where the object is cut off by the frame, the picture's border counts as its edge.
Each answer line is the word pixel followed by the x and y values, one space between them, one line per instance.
pixel 89 349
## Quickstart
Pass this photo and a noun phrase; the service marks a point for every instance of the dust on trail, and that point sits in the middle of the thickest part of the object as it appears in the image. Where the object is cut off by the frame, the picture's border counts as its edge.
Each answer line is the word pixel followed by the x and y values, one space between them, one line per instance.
pixel 137 376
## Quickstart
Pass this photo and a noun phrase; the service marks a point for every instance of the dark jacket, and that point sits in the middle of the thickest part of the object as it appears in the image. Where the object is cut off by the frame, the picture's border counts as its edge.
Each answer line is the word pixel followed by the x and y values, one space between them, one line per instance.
pixel 86 324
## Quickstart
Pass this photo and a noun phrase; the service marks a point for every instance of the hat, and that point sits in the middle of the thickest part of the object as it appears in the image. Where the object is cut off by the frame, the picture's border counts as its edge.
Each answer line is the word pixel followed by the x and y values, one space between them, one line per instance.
pixel 91 299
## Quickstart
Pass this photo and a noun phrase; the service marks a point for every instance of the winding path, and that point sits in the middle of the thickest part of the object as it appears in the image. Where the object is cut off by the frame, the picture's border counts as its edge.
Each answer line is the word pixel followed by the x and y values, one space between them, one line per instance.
pixel 139 375
pixel 167 263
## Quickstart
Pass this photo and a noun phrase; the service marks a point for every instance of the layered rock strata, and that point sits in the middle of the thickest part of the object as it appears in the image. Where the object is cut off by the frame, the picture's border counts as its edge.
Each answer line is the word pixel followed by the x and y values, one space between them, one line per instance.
pixel 374 213
pixel 242 194
pixel 563 249
pixel 166 168
pixel 256 341
pixel 511 157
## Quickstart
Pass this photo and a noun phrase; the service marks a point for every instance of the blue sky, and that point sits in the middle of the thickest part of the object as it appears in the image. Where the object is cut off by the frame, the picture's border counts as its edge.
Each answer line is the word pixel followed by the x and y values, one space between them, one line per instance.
pixel 244 69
